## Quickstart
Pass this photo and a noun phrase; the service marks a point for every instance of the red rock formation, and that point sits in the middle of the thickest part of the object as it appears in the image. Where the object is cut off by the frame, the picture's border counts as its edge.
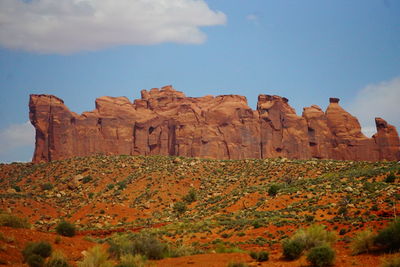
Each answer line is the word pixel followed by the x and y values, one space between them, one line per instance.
pixel 387 140
pixel 320 137
pixel 283 133
pixel 348 141
pixel 166 122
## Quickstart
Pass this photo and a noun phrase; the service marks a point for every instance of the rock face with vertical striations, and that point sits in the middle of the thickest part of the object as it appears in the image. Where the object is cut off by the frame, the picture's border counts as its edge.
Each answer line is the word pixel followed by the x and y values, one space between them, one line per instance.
pixel 166 122
pixel 387 140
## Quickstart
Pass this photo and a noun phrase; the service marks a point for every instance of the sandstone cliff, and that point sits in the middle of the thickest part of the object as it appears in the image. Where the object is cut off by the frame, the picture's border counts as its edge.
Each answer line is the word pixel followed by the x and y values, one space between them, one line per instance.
pixel 166 122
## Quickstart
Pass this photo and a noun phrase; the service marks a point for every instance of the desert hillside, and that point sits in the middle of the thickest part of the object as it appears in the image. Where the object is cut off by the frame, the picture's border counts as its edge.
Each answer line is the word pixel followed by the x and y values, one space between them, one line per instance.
pixel 208 212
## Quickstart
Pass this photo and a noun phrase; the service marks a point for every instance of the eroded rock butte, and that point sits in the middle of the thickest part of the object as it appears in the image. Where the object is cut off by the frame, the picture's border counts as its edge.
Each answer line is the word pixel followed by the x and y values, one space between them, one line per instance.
pixel 166 122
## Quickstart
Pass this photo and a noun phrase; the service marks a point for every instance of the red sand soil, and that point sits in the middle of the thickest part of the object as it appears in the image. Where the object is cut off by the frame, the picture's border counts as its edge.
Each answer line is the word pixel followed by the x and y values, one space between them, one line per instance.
pixel 17 239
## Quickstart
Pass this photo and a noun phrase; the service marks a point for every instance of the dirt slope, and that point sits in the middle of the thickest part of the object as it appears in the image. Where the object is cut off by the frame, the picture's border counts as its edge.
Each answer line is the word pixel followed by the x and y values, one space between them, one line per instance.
pixel 233 206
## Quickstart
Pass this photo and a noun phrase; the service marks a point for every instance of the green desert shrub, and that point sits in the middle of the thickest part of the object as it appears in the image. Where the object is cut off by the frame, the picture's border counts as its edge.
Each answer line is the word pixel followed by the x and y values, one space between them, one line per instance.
pixel 13 221
pixel 149 246
pixel 182 250
pixel 57 259
pixel 191 196
pixel 363 242
pixel 389 237
pixel 180 207
pixel 143 244
pixel 321 256
pixel 390 178
pixel 16 188
pixel 47 186
pixel 292 249
pixel 35 253
pixel 130 260
pixel 121 185
pixel 237 264
pixel 260 256
pixel 65 229
pixel 42 249
pixel 110 186
pixel 343 210
pixel 305 239
pixel 95 257
pixel 35 261
pixel 87 179
pixel 391 262
pixel 119 245
pixel 314 236
pixel 309 218
pixel 222 248
pixel 57 240
pixel 273 190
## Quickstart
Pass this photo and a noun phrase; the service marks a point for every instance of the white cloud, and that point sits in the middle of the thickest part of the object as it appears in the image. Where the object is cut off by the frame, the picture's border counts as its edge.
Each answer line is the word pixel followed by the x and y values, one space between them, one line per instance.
pixel 17 135
pixel 377 100
pixel 66 26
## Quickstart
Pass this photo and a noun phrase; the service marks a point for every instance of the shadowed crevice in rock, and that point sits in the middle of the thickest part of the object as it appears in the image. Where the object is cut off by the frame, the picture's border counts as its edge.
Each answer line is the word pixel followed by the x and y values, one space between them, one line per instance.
pixel 166 122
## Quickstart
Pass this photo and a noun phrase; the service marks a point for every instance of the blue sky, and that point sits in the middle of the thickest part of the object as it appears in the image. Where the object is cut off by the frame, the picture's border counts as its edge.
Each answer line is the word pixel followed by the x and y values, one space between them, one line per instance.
pixel 306 51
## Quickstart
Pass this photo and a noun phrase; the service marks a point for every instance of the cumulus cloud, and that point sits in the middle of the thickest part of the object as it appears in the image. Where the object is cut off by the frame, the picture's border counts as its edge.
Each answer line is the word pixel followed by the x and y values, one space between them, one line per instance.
pixel 17 135
pixel 67 26
pixel 377 100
